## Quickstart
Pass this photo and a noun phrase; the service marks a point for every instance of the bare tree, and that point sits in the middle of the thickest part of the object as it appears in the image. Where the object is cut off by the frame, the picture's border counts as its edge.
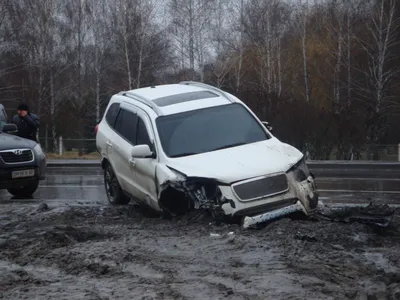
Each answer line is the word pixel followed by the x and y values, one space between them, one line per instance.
pixel 224 58
pixel 265 25
pixel 381 72
pixel 191 20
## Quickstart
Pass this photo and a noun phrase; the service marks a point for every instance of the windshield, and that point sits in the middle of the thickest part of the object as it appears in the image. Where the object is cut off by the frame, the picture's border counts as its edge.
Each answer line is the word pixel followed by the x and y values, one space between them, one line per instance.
pixel 208 129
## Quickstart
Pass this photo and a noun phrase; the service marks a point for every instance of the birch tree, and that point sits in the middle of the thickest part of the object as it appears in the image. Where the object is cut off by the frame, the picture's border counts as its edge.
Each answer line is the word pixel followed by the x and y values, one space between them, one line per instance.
pixel 304 50
pixel 380 73
pixel 191 19
pixel 224 60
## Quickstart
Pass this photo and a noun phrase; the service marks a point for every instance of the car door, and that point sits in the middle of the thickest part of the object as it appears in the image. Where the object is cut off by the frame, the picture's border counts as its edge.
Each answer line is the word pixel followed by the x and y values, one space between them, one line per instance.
pixel 144 169
pixel 121 145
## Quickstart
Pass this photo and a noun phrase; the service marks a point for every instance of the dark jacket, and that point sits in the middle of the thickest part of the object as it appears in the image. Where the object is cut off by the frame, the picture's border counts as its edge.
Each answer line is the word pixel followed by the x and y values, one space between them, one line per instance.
pixel 27 126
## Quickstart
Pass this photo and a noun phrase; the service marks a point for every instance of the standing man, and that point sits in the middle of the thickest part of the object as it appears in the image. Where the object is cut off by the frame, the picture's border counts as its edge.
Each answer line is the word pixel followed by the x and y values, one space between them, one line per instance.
pixel 26 122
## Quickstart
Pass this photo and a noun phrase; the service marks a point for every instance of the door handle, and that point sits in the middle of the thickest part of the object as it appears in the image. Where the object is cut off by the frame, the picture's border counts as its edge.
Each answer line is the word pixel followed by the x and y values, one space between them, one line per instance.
pixel 133 163
pixel 109 144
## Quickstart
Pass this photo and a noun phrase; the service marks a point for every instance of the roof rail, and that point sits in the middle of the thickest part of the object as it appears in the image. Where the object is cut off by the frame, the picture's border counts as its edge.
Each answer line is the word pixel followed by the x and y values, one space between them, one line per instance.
pixel 143 100
pixel 209 87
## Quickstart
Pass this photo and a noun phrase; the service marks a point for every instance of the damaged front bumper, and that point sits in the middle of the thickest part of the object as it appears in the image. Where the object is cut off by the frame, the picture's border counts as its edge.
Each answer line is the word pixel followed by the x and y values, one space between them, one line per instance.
pixel 184 194
pixel 306 201
pixel 272 215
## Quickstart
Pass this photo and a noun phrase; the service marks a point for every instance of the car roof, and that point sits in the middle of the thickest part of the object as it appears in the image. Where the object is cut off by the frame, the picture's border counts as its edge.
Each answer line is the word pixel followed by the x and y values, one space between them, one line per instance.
pixel 170 99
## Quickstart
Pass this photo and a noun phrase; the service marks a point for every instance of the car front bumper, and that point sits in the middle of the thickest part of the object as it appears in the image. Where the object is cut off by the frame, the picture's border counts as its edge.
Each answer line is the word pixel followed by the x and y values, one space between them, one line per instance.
pixel 301 196
pixel 6 170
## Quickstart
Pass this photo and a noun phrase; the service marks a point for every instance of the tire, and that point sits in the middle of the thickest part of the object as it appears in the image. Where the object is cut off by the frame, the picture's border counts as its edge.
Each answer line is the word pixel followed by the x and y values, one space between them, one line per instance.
pixel 114 192
pixel 25 191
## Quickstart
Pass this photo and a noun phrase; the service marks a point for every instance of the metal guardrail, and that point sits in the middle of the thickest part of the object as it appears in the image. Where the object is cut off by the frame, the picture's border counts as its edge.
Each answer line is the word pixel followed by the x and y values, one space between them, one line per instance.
pixel 62 146
pixel 389 153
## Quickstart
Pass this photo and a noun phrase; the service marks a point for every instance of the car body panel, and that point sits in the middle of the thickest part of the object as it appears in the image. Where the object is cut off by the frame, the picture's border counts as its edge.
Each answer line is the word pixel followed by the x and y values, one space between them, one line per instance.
pixel 144 170
pixel 8 141
pixel 239 163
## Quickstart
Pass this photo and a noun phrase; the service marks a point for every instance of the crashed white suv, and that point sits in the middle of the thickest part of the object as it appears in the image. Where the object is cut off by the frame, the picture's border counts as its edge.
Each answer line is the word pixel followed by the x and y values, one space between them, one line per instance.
pixel 186 146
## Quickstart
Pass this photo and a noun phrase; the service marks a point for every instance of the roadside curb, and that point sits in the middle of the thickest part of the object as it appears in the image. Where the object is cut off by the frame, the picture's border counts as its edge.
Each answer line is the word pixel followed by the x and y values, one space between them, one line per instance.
pixel 75 163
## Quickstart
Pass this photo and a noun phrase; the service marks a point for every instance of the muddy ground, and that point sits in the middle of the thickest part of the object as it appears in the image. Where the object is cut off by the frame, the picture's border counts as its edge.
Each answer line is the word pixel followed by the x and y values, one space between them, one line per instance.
pixel 104 252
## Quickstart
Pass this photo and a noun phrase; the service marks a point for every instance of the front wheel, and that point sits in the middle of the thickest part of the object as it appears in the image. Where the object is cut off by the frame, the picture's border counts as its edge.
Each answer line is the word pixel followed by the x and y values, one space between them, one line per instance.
pixel 25 191
pixel 114 192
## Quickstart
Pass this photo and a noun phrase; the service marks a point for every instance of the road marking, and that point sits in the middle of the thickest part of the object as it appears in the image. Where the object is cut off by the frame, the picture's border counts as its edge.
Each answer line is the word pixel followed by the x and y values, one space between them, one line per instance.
pixel 357 178
pixel 70 186
pixel 74 175
pixel 358 191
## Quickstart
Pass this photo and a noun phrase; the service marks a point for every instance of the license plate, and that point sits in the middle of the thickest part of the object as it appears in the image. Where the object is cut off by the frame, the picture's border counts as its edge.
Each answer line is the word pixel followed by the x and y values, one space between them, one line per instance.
pixel 22 174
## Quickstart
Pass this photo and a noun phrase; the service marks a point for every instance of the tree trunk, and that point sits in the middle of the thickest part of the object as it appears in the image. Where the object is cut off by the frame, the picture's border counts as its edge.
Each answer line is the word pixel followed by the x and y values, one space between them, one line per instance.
pixel 98 90
pixel 40 99
pixel 336 83
pixel 279 67
pixel 139 72
pixel 53 114
pixel 349 32
pixel 239 70
pixel 191 39
pixel 304 40
pixel 128 65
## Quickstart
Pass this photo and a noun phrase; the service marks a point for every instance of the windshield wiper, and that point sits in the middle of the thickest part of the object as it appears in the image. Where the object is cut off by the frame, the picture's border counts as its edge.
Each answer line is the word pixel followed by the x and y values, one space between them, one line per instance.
pixel 228 146
pixel 184 154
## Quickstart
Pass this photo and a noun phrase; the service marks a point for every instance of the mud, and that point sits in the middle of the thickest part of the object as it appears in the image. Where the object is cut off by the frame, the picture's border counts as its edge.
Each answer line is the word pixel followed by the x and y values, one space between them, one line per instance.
pixel 104 252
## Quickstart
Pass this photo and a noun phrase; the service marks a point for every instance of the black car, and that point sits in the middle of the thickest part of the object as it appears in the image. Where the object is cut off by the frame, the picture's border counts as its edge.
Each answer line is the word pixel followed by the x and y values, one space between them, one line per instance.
pixel 22 161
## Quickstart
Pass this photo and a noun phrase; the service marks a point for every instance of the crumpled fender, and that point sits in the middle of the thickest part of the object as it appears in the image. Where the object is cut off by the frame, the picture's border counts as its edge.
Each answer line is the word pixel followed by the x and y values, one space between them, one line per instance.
pixel 165 174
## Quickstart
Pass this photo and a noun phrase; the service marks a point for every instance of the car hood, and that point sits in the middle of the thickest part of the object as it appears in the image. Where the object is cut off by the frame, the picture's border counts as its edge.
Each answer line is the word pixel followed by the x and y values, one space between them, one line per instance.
pixel 239 163
pixel 8 141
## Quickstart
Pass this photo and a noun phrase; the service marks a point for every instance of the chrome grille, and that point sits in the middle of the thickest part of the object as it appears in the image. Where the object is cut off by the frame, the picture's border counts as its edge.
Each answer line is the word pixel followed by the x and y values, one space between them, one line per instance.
pixel 260 188
pixel 16 156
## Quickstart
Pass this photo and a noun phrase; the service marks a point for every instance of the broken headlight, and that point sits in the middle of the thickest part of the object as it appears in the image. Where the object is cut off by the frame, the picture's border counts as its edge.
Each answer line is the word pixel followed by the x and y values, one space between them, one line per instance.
pixel 300 170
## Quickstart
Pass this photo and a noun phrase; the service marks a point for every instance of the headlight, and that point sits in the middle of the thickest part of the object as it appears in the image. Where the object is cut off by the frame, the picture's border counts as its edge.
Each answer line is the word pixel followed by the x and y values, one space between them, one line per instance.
pixel 38 151
pixel 300 170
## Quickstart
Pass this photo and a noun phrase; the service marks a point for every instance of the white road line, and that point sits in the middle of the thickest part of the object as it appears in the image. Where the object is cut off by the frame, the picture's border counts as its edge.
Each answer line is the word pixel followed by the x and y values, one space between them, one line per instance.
pixel 357 178
pixel 70 186
pixel 359 191
pixel 74 175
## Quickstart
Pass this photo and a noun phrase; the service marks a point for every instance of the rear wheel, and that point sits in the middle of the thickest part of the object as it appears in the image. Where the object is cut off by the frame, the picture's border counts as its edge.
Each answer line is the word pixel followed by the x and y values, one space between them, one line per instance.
pixel 26 190
pixel 114 192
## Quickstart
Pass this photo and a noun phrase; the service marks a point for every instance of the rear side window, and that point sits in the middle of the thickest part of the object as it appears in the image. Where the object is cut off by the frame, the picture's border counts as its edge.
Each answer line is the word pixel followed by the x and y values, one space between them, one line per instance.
pixel 142 134
pixel 126 125
pixel 3 119
pixel 112 114
pixel 3 116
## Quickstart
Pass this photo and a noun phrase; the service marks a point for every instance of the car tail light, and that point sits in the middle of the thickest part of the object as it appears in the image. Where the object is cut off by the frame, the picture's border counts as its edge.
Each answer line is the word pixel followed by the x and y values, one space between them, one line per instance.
pixel 96 129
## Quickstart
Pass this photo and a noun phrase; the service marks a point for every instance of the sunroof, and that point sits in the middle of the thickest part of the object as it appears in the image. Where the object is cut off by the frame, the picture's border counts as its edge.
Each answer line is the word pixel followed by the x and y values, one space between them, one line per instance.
pixel 180 98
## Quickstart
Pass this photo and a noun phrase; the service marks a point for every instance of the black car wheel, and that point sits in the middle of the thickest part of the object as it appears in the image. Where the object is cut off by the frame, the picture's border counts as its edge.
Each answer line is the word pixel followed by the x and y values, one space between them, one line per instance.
pixel 113 189
pixel 25 191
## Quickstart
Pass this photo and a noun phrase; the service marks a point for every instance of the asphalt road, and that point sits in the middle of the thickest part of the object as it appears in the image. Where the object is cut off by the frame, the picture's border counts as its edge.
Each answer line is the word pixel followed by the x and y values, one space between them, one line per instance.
pixel 83 185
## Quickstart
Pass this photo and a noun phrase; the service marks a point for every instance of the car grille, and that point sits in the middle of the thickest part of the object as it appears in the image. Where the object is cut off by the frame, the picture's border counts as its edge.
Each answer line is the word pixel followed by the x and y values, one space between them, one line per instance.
pixel 260 188
pixel 16 156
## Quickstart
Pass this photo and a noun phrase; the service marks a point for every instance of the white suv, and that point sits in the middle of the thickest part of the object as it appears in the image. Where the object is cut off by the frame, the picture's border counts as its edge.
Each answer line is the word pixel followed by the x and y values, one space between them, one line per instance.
pixel 186 146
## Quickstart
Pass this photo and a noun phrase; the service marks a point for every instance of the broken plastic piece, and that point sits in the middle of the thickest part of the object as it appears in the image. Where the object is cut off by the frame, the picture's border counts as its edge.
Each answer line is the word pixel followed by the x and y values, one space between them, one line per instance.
pixel 214 235
pixel 268 216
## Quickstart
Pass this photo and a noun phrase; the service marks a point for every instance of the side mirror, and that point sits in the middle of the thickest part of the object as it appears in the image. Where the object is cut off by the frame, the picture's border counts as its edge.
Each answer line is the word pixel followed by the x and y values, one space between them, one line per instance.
pixel 267 125
pixel 141 151
pixel 10 128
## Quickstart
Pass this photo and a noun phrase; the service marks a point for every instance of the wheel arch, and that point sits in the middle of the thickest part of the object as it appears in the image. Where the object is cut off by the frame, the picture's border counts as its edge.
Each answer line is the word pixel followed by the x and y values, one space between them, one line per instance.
pixel 104 163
